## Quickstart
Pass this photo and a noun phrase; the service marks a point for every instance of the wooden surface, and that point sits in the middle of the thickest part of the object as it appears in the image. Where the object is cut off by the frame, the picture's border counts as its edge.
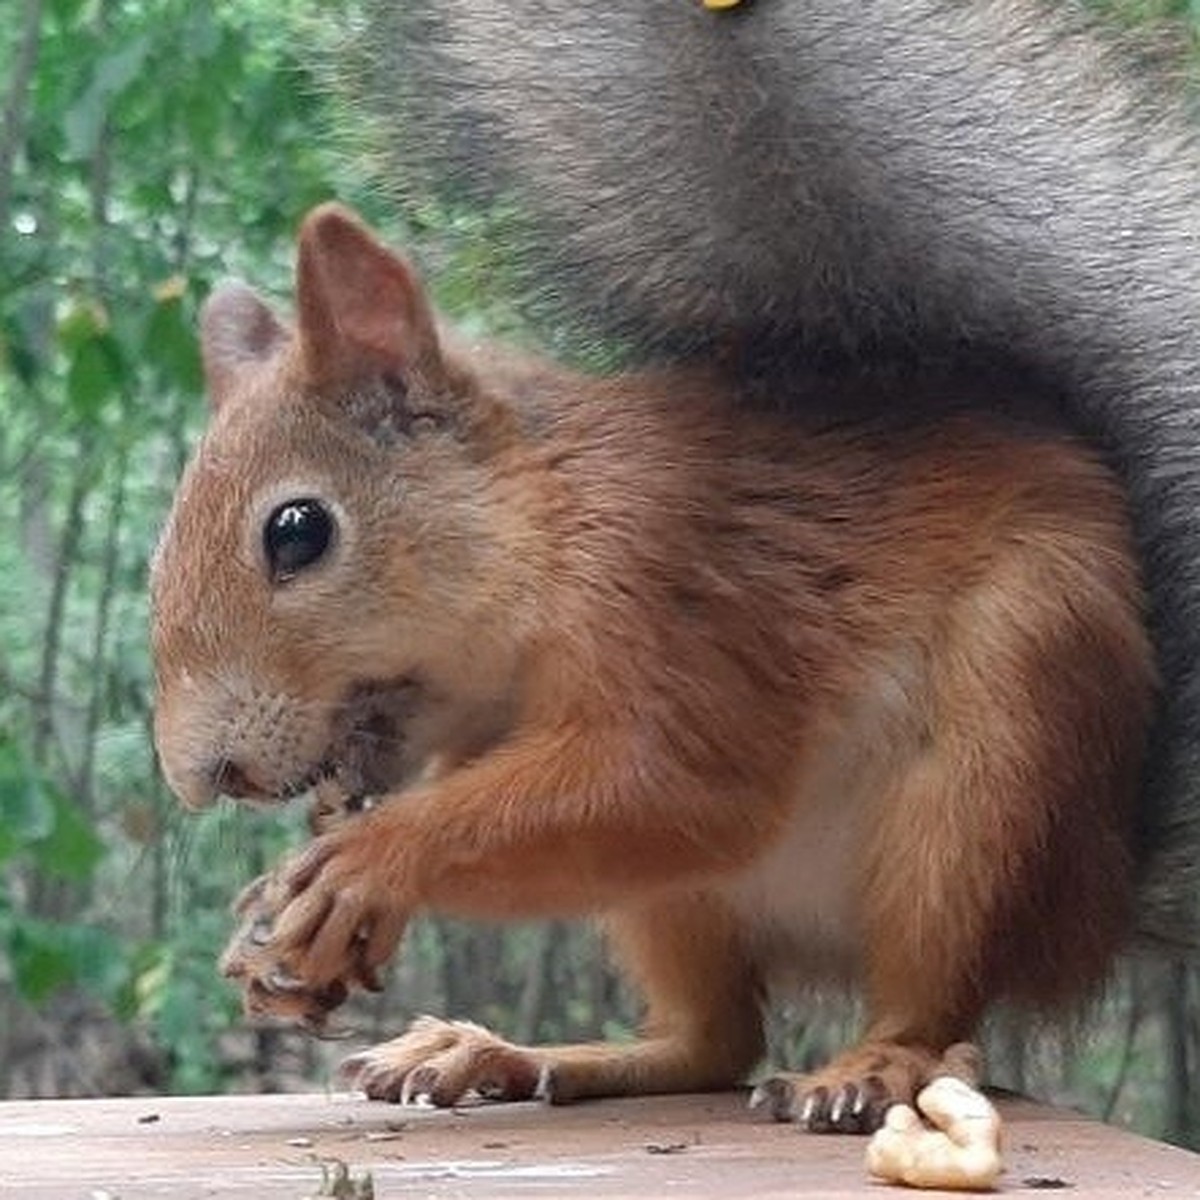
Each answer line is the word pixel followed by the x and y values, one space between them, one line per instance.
pixel 686 1146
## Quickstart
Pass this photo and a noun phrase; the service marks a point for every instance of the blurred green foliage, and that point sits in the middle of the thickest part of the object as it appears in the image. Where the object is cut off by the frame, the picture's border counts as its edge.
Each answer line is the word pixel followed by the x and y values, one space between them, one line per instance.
pixel 146 150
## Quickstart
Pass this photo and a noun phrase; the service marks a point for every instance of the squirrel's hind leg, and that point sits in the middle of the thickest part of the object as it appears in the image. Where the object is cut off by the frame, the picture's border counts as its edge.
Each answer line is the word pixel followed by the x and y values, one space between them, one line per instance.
pixel 997 862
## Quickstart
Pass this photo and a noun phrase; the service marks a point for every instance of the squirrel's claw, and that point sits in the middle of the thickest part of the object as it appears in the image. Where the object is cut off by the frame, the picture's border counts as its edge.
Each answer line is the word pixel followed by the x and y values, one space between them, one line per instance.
pixel 311 932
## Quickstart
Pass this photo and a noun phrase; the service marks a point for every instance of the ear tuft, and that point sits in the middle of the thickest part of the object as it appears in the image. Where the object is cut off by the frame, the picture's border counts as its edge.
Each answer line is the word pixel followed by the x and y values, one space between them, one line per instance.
pixel 361 308
pixel 237 330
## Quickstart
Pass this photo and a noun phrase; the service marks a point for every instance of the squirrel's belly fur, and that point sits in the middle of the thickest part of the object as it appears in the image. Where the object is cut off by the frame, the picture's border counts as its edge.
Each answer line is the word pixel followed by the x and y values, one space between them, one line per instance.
pixel 800 902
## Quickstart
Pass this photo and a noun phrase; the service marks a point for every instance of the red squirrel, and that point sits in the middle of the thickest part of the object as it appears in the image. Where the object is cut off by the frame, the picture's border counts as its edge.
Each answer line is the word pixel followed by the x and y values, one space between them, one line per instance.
pixel 847 696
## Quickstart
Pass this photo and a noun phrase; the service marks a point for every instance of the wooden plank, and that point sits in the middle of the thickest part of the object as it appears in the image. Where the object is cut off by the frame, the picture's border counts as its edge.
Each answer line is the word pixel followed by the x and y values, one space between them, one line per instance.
pixel 687 1146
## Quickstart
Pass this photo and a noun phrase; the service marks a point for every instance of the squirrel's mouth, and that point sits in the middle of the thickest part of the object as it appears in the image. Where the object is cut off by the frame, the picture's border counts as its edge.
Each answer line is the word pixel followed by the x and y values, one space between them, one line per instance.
pixel 369 751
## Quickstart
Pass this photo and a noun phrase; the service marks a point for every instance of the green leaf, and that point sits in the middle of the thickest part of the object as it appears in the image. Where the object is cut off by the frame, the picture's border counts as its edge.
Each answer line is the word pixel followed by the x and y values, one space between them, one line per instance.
pixel 45 956
pixel 95 374
pixel 71 849
pixel 40 962
pixel 66 11
pixel 38 819
pixel 170 344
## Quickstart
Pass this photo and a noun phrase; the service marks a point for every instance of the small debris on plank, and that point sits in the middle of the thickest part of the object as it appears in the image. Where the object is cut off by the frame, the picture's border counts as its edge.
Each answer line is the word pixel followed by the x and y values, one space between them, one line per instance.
pixel 337 1182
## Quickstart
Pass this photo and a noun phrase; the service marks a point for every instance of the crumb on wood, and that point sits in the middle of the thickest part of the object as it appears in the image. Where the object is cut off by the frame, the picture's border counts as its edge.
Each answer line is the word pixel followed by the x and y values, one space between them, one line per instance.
pixel 338 1182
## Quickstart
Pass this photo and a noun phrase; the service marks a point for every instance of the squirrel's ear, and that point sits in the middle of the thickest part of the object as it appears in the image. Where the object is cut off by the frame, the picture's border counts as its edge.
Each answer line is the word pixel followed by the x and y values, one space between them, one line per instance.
pixel 360 307
pixel 237 330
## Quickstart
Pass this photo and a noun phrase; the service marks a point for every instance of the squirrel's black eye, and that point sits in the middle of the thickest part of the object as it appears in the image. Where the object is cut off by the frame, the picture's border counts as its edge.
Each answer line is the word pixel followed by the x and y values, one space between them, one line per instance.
pixel 296 535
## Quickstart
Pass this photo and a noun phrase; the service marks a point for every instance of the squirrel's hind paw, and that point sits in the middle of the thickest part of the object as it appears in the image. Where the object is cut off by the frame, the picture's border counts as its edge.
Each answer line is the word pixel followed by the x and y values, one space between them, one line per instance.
pixel 854 1092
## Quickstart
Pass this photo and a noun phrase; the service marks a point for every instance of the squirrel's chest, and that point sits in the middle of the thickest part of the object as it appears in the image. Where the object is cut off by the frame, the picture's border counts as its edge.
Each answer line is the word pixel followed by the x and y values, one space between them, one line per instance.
pixel 797 904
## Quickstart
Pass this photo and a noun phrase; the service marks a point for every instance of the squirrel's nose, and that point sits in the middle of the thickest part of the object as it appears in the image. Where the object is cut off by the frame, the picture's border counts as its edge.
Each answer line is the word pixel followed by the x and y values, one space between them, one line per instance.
pixel 230 779
pixel 199 787
pixel 196 789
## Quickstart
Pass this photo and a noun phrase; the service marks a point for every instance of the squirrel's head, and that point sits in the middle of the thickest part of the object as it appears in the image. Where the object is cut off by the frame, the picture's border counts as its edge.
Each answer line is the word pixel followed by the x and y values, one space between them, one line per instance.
pixel 335 576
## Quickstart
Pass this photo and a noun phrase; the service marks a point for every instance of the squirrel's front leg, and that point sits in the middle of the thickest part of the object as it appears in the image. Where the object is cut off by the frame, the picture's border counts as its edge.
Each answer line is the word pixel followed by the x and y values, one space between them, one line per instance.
pixel 703 1029
pixel 556 823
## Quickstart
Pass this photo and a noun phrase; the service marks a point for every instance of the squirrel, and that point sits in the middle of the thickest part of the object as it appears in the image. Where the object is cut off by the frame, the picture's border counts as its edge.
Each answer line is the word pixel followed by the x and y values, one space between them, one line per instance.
pixel 997 187
pixel 859 688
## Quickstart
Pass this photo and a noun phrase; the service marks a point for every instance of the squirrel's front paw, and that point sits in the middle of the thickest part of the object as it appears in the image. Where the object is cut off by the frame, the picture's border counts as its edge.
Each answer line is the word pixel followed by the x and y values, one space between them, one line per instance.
pixel 312 931
pixel 441 1061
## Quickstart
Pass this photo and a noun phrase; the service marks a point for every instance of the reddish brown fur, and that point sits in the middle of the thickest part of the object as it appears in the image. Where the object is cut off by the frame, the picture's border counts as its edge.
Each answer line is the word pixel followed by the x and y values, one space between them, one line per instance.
pixel 660 643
